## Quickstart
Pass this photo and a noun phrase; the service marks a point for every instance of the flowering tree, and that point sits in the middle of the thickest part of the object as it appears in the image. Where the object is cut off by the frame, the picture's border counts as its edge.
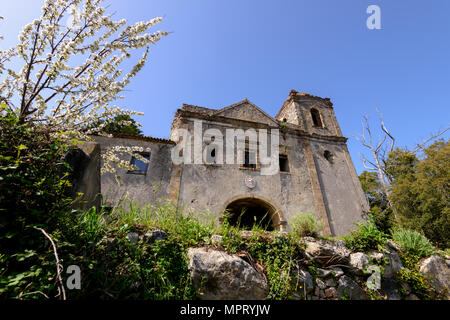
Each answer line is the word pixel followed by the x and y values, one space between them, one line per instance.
pixel 72 58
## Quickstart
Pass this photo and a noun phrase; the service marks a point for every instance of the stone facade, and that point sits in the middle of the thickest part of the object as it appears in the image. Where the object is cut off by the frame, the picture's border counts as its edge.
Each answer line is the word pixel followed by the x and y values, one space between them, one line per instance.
pixel 318 175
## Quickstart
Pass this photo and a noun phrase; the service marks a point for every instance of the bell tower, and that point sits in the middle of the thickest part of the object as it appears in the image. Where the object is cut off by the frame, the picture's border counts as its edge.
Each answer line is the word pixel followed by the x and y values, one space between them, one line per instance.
pixel 315 115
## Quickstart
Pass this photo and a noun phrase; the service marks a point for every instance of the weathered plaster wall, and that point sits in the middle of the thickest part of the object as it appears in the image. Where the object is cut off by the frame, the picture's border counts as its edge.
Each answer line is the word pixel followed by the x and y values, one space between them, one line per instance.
pixel 331 190
pixel 342 195
pixel 214 186
pixel 85 163
pixel 148 188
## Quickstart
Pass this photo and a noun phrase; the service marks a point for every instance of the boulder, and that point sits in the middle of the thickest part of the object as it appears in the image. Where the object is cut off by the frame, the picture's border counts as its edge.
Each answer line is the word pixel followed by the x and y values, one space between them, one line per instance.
pixel 349 289
pixel 330 282
pixel 358 261
pixel 390 289
pixel 437 270
pixel 133 237
pixel 337 272
pixel 394 265
pixel 327 252
pixel 320 284
pixel 221 276
pixel 392 246
pixel 323 273
pixel 331 293
pixel 304 279
pixel 153 236
pixel 377 256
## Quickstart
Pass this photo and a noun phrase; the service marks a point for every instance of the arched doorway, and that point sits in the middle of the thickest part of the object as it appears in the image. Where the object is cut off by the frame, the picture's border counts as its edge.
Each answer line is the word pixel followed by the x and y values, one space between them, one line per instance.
pixel 245 212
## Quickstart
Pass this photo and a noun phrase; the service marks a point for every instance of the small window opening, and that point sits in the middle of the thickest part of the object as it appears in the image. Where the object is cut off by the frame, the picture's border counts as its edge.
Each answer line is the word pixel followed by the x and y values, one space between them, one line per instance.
pixel 141 166
pixel 328 155
pixel 316 118
pixel 249 160
pixel 284 164
pixel 211 156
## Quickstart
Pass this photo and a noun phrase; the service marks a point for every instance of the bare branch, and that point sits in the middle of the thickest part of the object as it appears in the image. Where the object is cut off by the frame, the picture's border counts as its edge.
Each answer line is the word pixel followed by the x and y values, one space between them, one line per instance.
pixel 385 130
pixel 59 266
pixel 433 136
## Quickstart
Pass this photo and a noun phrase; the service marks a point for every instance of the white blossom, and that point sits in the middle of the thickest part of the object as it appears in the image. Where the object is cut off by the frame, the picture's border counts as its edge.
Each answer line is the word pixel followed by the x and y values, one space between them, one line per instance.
pixel 72 58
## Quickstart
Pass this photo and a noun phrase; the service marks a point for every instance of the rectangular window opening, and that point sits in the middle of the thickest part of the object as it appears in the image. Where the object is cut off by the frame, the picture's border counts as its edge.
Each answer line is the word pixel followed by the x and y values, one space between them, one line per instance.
pixel 284 163
pixel 141 165
pixel 250 160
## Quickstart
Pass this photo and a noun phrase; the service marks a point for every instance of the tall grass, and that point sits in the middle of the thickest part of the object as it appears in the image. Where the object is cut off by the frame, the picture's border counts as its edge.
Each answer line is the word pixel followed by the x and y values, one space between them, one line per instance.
pixel 413 242
pixel 188 227
pixel 305 224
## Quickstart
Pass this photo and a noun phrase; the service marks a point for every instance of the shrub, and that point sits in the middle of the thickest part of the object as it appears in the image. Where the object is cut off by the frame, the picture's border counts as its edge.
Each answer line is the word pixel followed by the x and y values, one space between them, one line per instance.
pixel 413 242
pixel 34 192
pixel 305 224
pixel 366 237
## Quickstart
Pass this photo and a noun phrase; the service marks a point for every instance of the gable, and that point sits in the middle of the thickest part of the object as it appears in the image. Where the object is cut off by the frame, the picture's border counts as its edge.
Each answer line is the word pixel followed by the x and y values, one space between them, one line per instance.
pixel 245 110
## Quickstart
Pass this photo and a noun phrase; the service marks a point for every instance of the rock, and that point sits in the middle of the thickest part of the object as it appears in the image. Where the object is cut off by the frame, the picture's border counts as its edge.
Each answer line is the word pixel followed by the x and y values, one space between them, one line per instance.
pixel 321 284
pixel 390 288
pixel 221 276
pixel 394 266
pixel 358 261
pixel 412 297
pixel 337 272
pixel 281 235
pixel 246 234
pixel 405 287
pixel 437 270
pixel 331 293
pixel 304 279
pixel 327 252
pixel 349 289
pixel 133 237
pixel 330 282
pixel 317 291
pixel 322 294
pixel 392 246
pixel 216 239
pixel 156 235
pixel 322 273
pixel 378 256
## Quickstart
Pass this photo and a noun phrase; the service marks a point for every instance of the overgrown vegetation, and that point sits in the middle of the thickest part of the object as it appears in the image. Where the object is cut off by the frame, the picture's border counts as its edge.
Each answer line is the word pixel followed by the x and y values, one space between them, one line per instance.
pixel 413 243
pixel 366 237
pixel 305 224
pixel 417 198
pixel 410 274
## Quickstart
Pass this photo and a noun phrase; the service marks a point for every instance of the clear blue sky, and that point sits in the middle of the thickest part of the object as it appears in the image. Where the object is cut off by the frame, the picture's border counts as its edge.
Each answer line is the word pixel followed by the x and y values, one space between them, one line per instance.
pixel 223 51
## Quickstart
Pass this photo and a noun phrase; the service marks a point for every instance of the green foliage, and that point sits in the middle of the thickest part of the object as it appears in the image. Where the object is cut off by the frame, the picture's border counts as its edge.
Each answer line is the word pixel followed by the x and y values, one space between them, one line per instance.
pixel 413 243
pixel 410 274
pixel 189 228
pixel 305 224
pixel 115 268
pixel 277 255
pixel 365 238
pixel 380 212
pixel 420 191
pixel 34 189
pixel 121 123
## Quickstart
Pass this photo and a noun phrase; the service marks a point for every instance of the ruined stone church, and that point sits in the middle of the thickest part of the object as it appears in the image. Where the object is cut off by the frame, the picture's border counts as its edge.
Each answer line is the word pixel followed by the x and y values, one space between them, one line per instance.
pixel 315 173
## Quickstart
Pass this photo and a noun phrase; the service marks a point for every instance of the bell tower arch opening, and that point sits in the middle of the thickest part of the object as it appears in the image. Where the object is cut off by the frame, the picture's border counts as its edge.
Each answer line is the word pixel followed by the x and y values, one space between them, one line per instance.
pixel 247 212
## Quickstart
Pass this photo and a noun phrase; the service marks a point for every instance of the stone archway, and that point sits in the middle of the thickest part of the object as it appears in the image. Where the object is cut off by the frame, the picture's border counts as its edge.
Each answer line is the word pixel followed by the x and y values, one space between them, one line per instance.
pixel 249 210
